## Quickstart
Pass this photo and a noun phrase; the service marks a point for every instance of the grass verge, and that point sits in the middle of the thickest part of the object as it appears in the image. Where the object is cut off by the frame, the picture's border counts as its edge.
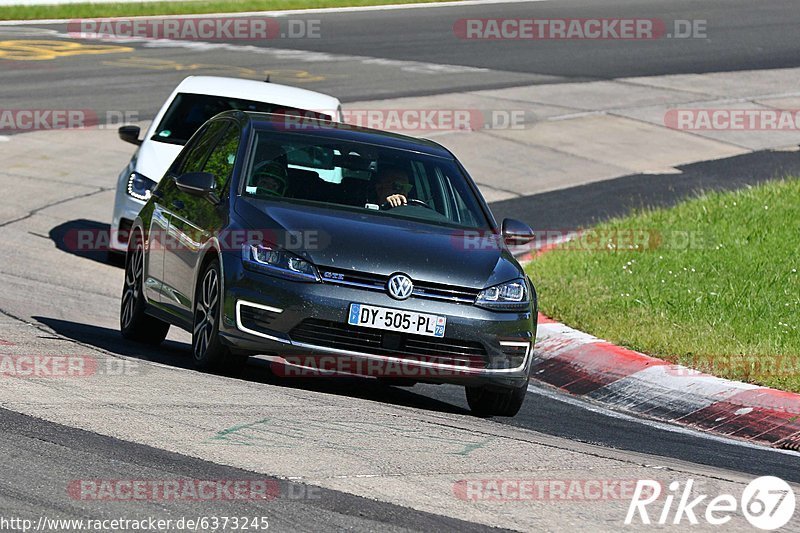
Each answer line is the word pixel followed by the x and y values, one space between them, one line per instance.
pixel 90 10
pixel 711 283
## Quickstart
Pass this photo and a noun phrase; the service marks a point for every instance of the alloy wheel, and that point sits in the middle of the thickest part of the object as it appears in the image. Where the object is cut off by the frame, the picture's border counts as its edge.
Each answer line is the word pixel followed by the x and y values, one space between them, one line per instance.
pixel 134 272
pixel 205 313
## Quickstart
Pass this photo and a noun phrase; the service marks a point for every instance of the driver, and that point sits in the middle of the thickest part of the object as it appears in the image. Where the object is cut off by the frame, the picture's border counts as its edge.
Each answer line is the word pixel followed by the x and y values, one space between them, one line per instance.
pixel 392 185
pixel 270 176
pixel 270 179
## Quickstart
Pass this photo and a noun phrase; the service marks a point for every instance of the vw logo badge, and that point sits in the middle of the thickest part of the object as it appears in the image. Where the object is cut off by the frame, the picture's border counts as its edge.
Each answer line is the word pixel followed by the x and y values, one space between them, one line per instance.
pixel 400 286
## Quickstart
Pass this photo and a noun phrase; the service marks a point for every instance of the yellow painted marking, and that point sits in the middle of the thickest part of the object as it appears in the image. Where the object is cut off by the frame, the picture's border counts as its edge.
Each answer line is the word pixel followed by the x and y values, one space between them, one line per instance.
pixel 41 50
pixel 296 76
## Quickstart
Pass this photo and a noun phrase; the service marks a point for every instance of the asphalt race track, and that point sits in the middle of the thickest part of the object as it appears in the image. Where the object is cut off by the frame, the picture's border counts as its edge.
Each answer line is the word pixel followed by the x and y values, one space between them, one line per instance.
pixel 743 35
pixel 376 457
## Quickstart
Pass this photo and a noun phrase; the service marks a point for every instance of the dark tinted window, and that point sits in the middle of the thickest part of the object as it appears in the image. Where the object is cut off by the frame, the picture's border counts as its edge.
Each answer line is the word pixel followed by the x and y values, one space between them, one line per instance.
pixel 189 111
pixel 221 160
pixel 194 159
pixel 350 175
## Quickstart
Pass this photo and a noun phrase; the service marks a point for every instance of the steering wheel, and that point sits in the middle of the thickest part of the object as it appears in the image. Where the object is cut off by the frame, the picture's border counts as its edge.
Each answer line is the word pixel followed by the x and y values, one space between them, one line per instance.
pixel 410 201
pixel 415 201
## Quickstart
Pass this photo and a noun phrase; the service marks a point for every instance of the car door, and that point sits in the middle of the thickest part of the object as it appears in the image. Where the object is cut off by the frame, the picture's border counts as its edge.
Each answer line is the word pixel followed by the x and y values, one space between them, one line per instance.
pixel 193 219
pixel 172 202
pixel 159 238
pixel 156 241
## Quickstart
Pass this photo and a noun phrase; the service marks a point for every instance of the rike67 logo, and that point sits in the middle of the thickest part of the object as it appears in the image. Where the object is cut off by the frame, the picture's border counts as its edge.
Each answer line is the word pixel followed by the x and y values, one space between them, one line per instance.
pixel 767 503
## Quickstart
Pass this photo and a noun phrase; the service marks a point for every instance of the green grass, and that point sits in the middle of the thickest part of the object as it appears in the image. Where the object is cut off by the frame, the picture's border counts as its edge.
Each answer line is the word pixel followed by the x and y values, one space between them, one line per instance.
pixel 727 303
pixel 87 10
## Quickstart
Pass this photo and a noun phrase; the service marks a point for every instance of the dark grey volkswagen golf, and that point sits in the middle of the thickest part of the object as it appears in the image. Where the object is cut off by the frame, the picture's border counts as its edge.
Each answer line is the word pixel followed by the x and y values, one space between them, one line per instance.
pixel 326 246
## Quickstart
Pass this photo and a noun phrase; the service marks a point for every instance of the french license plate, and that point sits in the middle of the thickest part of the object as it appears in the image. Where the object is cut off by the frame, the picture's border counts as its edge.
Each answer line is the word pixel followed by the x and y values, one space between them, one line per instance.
pixel 385 318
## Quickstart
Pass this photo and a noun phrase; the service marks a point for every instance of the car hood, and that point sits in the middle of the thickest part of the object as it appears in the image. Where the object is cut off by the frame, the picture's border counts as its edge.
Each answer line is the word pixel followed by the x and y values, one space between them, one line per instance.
pixel 382 245
pixel 154 158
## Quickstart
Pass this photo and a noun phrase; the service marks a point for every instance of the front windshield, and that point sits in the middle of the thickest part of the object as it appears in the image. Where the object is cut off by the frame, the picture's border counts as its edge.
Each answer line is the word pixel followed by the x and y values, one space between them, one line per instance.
pixel 190 111
pixel 351 175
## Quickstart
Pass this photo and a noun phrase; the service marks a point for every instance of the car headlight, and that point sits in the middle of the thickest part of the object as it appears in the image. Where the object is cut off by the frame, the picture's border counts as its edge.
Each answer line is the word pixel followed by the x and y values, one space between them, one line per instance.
pixel 140 186
pixel 509 296
pixel 272 260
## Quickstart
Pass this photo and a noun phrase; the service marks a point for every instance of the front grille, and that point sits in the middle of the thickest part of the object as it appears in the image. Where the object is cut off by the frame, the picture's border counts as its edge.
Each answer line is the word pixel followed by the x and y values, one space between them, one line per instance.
pixel 340 336
pixel 377 282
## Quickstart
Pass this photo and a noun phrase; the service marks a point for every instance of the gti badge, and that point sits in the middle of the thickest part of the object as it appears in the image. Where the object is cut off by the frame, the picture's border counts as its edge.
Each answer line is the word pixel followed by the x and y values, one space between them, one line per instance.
pixel 400 286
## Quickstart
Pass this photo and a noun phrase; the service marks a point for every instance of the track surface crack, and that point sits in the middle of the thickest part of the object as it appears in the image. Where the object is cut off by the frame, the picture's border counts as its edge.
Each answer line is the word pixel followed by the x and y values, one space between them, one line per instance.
pixel 36 210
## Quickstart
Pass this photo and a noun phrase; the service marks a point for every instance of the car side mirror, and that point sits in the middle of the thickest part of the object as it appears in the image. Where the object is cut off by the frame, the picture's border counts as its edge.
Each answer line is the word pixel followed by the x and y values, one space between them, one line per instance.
pixel 516 233
pixel 130 134
pixel 197 183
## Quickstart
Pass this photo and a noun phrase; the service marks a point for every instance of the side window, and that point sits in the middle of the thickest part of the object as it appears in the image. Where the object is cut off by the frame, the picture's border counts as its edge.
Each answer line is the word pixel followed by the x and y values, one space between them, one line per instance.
pixel 421 181
pixel 194 159
pixel 464 214
pixel 458 210
pixel 223 157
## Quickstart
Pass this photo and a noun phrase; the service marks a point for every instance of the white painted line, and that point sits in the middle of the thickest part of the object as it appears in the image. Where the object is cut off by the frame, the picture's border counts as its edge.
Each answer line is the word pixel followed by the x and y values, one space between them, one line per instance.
pixel 4 138
pixel 25 31
pixel 682 378
pixel 793 148
pixel 580 114
pixel 563 334
pixel 286 12
pixel 662 426
pixel 417 67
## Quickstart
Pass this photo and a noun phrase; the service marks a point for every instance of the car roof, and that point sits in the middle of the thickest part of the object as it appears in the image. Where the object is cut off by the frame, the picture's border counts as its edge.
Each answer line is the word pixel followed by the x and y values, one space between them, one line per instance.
pixel 340 131
pixel 260 91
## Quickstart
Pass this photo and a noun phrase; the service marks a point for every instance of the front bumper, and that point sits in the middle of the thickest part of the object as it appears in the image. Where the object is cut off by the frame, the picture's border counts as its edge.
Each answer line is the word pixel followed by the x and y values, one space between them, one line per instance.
pixel 506 339
pixel 126 208
pixel 125 211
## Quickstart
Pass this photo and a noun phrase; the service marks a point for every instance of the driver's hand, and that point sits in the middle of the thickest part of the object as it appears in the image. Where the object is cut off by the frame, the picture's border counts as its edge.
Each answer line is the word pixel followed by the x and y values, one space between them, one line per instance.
pixel 396 200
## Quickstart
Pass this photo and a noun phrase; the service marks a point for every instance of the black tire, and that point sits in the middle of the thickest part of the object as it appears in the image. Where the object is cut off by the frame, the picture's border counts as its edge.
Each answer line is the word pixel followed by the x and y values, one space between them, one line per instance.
pixel 115 258
pixel 208 351
pixel 134 323
pixel 486 402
